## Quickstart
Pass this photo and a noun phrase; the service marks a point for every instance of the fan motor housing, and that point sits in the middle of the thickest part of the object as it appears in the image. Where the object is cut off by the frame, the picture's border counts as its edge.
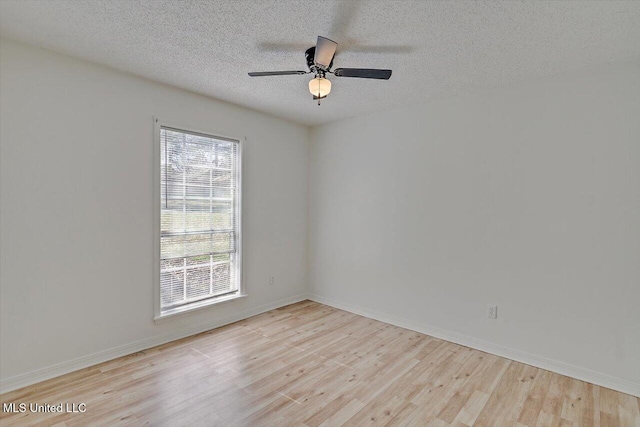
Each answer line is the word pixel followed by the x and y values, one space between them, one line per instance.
pixel 310 55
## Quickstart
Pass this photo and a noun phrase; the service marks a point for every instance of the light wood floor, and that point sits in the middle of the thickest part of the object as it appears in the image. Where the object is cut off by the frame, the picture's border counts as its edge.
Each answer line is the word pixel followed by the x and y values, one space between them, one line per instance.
pixel 309 365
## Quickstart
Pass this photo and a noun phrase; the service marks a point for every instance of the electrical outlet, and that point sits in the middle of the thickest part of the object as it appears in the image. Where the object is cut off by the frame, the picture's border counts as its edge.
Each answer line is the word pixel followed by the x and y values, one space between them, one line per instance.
pixel 272 281
pixel 492 311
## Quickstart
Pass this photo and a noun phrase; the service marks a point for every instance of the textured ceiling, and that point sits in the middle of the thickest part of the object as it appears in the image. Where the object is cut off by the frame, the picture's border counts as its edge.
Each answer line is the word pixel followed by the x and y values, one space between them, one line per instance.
pixel 435 49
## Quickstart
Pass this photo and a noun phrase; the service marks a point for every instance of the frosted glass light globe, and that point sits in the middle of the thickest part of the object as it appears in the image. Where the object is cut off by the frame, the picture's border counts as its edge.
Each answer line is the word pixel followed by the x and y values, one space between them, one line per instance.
pixel 320 87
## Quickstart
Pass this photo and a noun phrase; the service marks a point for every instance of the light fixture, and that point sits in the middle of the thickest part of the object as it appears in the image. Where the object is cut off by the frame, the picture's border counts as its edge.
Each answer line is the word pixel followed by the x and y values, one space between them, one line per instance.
pixel 319 87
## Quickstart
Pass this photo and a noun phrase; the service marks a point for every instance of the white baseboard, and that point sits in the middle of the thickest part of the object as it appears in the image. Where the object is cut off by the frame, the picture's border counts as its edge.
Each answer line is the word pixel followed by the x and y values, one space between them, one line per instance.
pixel 23 380
pixel 597 378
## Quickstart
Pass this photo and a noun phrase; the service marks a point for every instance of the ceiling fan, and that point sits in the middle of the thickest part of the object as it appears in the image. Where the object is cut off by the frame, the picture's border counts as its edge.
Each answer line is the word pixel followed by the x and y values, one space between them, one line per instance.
pixel 320 61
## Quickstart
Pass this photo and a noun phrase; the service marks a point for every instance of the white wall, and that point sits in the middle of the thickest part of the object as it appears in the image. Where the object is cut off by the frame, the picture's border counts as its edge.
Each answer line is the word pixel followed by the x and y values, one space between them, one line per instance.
pixel 76 265
pixel 527 197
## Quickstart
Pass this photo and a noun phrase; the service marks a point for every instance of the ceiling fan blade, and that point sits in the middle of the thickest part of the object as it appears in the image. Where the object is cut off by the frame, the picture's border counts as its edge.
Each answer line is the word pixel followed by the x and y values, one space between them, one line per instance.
pixel 276 73
pixel 325 50
pixel 363 73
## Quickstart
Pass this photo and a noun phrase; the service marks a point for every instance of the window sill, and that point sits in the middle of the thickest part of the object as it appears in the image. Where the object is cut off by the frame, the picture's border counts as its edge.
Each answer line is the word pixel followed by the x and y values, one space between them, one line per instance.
pixel 166 315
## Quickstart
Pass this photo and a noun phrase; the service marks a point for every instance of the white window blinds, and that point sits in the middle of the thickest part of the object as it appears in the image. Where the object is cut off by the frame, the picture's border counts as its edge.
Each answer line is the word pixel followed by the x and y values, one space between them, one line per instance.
pixel 199 217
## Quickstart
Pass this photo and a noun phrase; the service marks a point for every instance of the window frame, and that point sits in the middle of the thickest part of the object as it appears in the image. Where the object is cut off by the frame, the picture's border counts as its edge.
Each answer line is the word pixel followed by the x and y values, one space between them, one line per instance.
pixel 158 314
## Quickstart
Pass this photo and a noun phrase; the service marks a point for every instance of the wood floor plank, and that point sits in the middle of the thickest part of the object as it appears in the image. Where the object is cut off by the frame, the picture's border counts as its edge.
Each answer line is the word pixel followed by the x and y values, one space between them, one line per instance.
pixel 343 415
pixel 310 365
pixel 578 404
pixel 550 420
pixel 535 399
pixel 555 396
pixel 465 384
pixel 471 409
pixel 628 408
pixel 507 400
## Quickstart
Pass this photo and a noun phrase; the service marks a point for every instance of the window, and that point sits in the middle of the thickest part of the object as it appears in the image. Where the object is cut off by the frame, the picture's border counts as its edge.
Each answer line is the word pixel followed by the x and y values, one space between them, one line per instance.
pixel 199 220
